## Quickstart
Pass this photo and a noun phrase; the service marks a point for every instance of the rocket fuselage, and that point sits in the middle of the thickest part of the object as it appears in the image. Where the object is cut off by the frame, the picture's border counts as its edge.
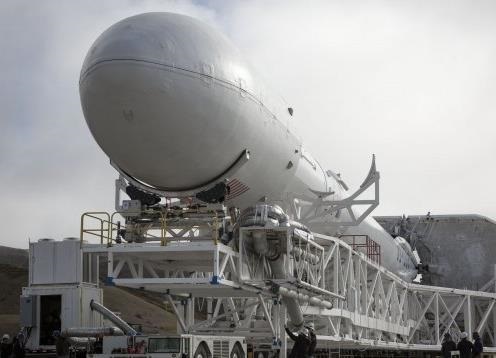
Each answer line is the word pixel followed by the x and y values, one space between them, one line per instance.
pixel 173 105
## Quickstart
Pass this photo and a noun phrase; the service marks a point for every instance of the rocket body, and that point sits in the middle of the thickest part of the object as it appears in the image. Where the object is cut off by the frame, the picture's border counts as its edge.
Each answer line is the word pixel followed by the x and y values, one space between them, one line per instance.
pixel 173 104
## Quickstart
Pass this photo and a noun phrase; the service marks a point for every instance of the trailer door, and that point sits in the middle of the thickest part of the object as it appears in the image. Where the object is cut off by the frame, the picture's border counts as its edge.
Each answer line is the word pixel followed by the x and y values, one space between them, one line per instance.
pixel 50 310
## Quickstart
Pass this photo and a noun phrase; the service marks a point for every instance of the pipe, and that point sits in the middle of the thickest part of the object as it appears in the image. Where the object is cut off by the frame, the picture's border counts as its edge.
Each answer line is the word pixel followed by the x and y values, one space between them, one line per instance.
pixel 79 342
pixel 112 317
pixel 319 290
pixel 91 332
pixel 263 214
pixel 285 292
pixel 306 256
pixel 298 225
pixel 292 305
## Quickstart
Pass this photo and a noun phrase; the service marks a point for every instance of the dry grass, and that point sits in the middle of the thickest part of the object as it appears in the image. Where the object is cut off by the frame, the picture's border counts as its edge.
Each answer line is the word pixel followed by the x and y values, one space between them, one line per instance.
pixel 134 309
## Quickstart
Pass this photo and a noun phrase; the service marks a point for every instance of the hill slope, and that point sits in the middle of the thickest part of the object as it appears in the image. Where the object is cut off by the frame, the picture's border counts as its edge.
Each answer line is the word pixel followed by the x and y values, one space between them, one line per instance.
pixel 135 307
pixel 14 257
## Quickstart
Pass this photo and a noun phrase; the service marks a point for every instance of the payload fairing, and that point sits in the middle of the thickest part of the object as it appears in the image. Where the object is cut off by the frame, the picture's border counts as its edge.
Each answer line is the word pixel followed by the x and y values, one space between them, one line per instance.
pixel 177 110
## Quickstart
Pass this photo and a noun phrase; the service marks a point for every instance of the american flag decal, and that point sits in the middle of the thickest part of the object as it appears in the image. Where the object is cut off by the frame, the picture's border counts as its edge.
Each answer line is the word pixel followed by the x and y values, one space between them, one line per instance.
pixel 236 188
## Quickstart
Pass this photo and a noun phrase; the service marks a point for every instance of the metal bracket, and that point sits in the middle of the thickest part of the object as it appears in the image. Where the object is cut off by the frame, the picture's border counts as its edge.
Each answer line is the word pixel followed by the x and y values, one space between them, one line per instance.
pixel 120 185
pixel 332 206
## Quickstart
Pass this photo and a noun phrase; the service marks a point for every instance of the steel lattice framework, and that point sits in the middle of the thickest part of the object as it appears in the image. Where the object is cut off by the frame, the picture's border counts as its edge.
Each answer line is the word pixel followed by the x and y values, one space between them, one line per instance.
pixel 353 301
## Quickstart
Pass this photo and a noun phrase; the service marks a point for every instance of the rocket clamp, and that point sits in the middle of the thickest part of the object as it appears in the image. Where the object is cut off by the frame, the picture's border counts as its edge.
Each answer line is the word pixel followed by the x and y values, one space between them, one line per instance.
pixel 322 207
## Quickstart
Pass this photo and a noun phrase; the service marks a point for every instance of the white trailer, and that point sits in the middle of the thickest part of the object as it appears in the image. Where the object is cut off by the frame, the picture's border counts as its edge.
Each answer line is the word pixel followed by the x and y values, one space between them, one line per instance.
pixel 180 346
pixel 57 297
pixel 45 309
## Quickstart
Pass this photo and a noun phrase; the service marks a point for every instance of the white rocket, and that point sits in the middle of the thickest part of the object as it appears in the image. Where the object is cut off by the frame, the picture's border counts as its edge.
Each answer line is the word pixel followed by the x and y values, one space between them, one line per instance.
pixel 179 112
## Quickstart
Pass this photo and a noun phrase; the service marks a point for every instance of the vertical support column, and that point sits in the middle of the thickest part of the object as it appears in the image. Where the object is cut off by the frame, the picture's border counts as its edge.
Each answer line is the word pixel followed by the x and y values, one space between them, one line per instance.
pixel 97 274
pixel 215 276
pixel 140 268
pixel 288 258
pixel 88 269
pixel 335 274
pixel 468 315
pixel 322 270
pixel 276 319
pixel 209 308
pixel 494 310
pixel 110 268
pixel 180 314
pixel 241 267
pixel 436 318
pixel 241 270
pixel 282 325
pixel 365 288
pixel 190 311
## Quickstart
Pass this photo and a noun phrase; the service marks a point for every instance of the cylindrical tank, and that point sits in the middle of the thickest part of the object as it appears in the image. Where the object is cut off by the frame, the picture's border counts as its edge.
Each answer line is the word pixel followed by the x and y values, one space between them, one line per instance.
pixel 172 103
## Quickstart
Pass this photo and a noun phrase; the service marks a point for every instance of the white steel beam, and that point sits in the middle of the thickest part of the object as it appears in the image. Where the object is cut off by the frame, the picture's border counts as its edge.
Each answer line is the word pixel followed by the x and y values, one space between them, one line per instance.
pixel 483 320
pixel 365 305
pixel 266 313
pixel 177 313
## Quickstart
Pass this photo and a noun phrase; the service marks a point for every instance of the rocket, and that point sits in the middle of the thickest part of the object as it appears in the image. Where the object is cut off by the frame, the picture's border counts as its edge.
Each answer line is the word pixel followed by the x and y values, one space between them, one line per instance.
pixel 179 113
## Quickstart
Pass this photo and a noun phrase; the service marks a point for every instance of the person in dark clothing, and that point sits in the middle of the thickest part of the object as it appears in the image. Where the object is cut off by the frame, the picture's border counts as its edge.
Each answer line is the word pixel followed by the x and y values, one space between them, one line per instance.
pixel 62 346
pixel 301 343
pixel 5 347
pixel 313 340
pixel 447 346
pixel 18 347
pixel 465 346
pixel 478 347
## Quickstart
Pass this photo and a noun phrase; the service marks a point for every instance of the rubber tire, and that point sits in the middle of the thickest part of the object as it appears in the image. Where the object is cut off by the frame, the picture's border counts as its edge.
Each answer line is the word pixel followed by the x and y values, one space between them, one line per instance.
pixel 201 351
pixel 237 351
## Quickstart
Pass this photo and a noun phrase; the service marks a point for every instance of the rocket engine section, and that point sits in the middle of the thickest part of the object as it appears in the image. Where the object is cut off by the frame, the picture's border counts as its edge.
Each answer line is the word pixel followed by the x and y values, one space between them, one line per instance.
pixel 180 114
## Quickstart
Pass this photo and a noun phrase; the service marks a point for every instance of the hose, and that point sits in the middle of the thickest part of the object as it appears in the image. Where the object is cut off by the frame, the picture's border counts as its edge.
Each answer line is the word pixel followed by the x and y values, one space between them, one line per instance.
pixel 91 332
pixel 112 317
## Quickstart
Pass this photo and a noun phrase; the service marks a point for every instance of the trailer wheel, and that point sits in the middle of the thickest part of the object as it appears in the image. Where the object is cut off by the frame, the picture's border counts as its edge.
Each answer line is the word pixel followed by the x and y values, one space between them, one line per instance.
pixel 201 351
pixel 237 351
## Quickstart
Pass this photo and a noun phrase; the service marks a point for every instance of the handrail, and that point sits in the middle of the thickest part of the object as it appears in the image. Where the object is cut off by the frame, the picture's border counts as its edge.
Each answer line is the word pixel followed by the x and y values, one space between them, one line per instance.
pixel 92 214
pixel 109 240
pixel 108 225
pixel 163 227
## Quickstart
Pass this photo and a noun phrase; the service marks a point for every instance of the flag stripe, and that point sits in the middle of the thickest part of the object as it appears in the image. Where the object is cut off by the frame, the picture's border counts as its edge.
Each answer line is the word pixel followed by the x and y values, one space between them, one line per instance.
pixel 236 188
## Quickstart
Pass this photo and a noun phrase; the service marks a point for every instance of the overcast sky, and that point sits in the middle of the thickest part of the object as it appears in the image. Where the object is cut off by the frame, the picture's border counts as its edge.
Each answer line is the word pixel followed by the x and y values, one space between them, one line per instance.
pixel 412 81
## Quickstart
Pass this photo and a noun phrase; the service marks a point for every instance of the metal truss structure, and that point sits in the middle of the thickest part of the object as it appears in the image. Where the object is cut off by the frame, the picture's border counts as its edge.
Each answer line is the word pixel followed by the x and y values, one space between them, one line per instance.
pixel 311 210
pixel 352 300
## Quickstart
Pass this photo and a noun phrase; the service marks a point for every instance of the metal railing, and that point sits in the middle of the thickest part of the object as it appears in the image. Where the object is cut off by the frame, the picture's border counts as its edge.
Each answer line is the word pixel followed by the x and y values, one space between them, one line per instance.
pixel 104 232
pixel 104 226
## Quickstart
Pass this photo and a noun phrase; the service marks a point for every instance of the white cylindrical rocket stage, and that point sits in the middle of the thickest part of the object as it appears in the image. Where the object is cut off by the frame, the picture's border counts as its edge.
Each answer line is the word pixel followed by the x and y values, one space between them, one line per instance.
pixel 173 104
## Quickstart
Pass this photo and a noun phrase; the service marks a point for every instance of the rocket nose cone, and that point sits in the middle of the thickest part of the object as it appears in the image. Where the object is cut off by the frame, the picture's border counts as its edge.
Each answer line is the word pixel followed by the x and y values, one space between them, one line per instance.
pixel 147 96
pixel 147 37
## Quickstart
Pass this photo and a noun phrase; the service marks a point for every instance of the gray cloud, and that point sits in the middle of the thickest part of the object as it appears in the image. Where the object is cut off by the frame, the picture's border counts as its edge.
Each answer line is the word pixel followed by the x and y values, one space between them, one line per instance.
pixel 412 81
